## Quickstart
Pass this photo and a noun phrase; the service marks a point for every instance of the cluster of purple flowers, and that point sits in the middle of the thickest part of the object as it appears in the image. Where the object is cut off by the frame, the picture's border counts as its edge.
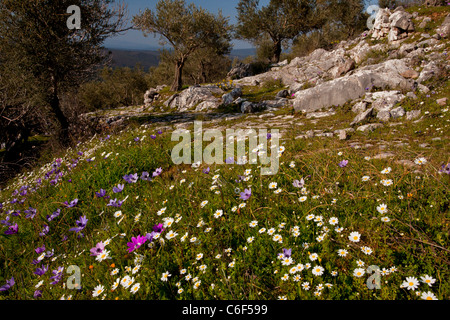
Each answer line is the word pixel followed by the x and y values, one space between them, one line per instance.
pixel 137 242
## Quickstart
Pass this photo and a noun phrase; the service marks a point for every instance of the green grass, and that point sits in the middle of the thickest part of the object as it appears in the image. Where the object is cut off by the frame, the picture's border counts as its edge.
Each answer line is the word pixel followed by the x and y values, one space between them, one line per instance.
pixel 415 241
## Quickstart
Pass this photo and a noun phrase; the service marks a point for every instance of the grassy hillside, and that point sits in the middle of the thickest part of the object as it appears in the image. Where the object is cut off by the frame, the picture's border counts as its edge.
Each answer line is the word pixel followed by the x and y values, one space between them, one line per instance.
pixel 115 218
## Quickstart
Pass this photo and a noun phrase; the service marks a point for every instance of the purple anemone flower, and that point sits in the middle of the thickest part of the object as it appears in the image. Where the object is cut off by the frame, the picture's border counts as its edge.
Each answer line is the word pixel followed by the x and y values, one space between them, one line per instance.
pixel 8 285
pixel 31 212
pixel 445 168
pixel 146 176
pixel 153 136
pixel 13 229
pixel 246 194
pixel 99 247
pixel 72 203
pixel 115 203
pixel 44 231
pixel 298 184
pixel 118 189
pixel 131 178
pixel 81 224
pixel 37 294
pixel 157 172
pixel 158 227
pixel 229 160
pixel 206 171
pixel 40 249
pixel 101 193
pixel 287 253
pixel 41 271
pixel 343 163
pixel 135 243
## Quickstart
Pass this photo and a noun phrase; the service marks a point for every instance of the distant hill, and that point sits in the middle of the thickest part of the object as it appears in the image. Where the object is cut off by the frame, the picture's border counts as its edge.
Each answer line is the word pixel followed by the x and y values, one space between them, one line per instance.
pixel 150 58
pixel 130 58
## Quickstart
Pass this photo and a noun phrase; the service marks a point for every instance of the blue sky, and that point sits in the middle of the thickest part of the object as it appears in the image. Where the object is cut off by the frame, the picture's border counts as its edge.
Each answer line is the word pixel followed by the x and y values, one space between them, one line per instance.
pixel 134 39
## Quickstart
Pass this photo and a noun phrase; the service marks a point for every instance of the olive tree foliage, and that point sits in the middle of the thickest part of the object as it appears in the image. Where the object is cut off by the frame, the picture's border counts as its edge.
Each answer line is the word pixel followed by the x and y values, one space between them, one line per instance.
pixel 187 28
pixel 40 50
pixel 280 20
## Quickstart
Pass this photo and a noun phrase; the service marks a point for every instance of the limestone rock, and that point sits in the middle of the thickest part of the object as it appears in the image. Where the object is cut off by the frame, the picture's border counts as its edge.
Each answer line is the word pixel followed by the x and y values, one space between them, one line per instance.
pixel 444 29
pixel 413 114
pixel 369 127
pixel 397 112
pixel 363 116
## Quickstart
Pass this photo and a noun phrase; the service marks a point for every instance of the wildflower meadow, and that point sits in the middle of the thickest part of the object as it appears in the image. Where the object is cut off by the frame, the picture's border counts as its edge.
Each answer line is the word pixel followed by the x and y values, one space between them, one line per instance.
pixel 115 219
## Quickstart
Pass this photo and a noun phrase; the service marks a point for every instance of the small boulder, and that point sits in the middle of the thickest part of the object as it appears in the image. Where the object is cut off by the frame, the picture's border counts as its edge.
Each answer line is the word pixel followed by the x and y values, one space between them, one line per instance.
pixel 442 102
pixel 397 112
pixel 413 114
pixel 362 116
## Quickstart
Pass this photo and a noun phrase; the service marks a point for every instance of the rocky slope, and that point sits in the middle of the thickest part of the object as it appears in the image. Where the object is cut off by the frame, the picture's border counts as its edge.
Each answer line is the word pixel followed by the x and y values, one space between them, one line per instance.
pixel 372 74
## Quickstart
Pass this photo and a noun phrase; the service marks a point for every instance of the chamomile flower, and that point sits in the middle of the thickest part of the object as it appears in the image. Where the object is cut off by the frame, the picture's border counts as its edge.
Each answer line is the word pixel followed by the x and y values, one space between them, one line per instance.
pixel 365 178
pixel 296 278
pixel 342 252
pixel 411 283
pixel 309 217
pixel 382 208
pixel 171 235
pixel 358 272
pixel 428 296
pixel 250 239
pixel 114 271
pixel 277 238
pixel 98 290
pixel 165 276
pixel 135 288
pixel 420 161
pixel 293 270
pixel 115 284
pixel 354 236
pixel 428 280
pixel 199 256
pixel 253 224
pixel 305 286
pixel 386 182
pixel 262 230
pixel 103 256
pixel 333 221
pixel 338 229
pixel 218 213
pixel 366 250
pixel 197 284
pixel 313 256
pixel 317 270
pixel 302 199
pixel 385 219
pixel 287 261
pixel 386 170
pixel 180 290
pixel 203 203
pixel 273 185
pixel 285 277
pixel 360 263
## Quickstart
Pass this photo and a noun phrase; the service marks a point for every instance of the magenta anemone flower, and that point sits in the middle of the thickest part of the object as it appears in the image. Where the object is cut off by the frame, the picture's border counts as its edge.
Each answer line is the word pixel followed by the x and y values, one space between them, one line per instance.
pixel 135 243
